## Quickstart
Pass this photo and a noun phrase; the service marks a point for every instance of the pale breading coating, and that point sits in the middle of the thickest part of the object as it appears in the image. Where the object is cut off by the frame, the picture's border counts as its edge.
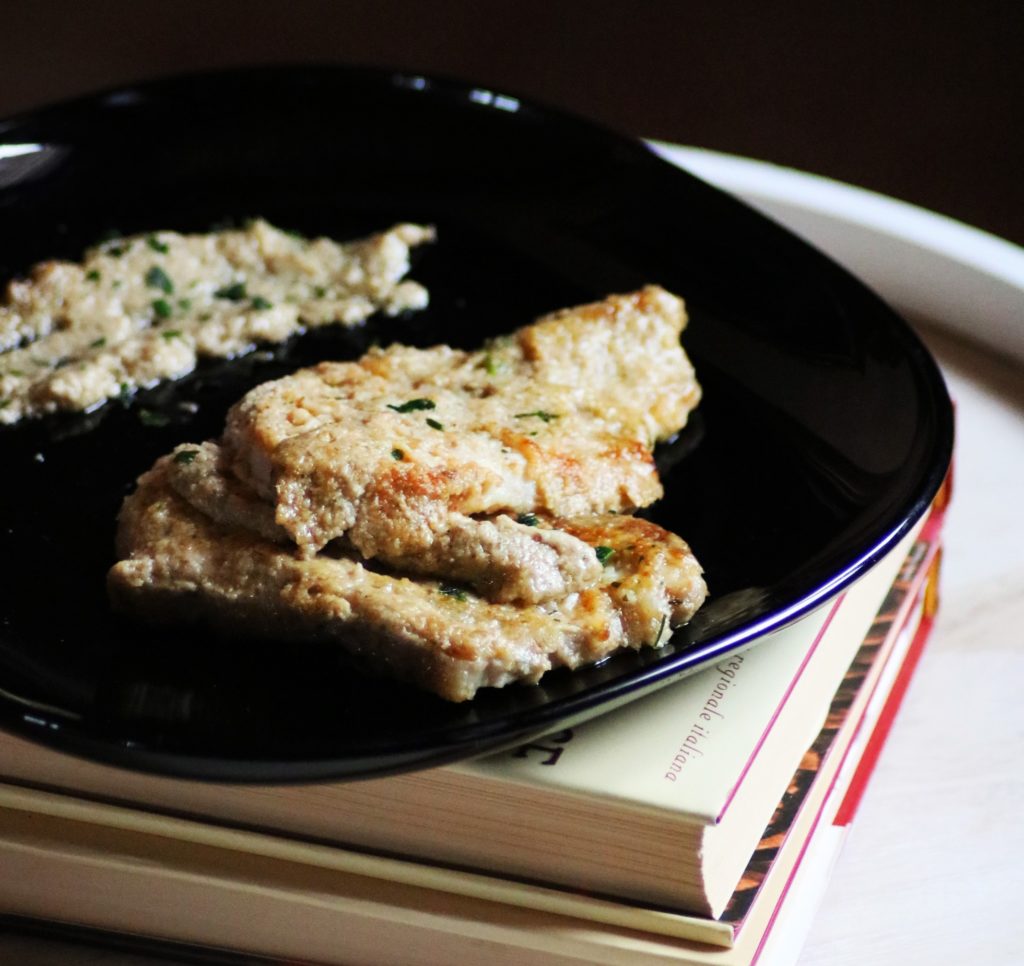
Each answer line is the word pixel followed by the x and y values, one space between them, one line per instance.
pixel 502 558
pixel 180 564
pixel 142 309
pixel 558 418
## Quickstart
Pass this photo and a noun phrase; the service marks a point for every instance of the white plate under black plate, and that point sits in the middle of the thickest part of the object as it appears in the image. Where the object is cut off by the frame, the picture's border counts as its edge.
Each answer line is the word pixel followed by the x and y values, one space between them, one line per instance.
pixel 824 432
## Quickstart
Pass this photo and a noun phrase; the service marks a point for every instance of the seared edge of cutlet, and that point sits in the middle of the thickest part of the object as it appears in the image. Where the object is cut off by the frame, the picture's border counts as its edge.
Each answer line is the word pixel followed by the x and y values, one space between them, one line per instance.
pixel 177 561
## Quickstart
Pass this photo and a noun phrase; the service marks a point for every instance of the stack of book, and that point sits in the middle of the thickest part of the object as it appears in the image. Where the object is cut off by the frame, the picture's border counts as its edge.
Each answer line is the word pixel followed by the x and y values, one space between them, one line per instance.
pixel 697 825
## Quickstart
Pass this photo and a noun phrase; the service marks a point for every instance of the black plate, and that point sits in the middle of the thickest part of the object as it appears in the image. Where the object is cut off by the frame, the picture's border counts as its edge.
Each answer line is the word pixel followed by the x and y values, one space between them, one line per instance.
pixel 824 432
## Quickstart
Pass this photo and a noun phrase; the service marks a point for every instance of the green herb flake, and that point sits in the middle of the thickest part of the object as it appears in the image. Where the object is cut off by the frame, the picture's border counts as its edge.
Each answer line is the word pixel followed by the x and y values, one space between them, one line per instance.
pixel 413 405
pixel 186 456
pixel 171 334
pixel 98 343
pixel 149 417
pixel 493 366
pixel 4 403
pixel 456 593
pixel 156 244
pixel 661 630
pixel 259 302
pixel 398 454
pixel 115 251
pixel 527 519
pixel 93 275
pixel 156 277
pixel 124 394
pixel 538 414
pixel 603 554
pixel 184 304
pixel 162 309
pixel 434 424
pixel 233 293
pixel 319 291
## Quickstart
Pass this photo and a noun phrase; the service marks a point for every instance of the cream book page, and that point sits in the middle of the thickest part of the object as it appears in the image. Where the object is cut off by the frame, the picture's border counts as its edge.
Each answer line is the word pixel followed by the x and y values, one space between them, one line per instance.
pixel 682 748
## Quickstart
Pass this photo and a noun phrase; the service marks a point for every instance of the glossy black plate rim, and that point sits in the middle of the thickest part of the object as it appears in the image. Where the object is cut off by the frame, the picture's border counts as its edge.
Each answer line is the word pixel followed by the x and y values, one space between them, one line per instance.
pixel 51 726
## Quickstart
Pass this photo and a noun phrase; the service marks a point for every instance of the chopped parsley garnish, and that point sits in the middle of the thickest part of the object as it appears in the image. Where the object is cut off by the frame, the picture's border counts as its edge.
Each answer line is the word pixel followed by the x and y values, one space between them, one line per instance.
pixel 319 291
pixel 186 456
pixel 156 277
pixel 603 554
pixel 538 414
pixel 398 454
pixel 162 309
pixel 17 373
pixel 171 334
pixel 661 630
pixel 124 394
pixel 456 593
pixel 156 244
pixel 149 417
pixel 116 251
pixel 493 366
pixel 434 424
pixel 4 403
pixel 98 343
pixel 413 405
pixel 259 302
pixel 93 275
pixel 234 292
pixel 184 304
pixel 527 519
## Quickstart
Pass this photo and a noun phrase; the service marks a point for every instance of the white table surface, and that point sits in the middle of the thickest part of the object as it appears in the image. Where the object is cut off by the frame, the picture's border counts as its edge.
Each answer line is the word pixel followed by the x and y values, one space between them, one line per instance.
pixel 933 871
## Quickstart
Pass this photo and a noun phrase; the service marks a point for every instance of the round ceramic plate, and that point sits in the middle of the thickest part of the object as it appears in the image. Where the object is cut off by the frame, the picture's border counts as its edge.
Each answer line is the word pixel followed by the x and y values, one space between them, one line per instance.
pixel 824 432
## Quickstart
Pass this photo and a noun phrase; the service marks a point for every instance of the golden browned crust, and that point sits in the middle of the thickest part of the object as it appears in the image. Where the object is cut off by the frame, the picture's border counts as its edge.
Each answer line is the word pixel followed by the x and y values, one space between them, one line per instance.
pixel 559 418
pixel 177 561
pixel 491 485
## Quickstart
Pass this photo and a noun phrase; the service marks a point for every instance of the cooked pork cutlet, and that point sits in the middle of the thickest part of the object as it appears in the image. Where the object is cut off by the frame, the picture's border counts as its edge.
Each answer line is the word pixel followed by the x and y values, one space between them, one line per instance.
pixel 502 558
pixel 178 564
pixel 141 309
pixel 395 450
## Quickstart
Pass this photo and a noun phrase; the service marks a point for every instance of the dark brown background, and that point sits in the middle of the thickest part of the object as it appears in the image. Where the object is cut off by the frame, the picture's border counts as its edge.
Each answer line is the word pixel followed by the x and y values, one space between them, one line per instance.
pixel 915 99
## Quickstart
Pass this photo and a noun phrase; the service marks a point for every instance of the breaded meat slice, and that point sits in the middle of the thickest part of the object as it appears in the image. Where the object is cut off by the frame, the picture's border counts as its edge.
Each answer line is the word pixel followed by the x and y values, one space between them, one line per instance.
pixel 178 564
pixel 503 559
pixel 146 308
pixel 559 418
